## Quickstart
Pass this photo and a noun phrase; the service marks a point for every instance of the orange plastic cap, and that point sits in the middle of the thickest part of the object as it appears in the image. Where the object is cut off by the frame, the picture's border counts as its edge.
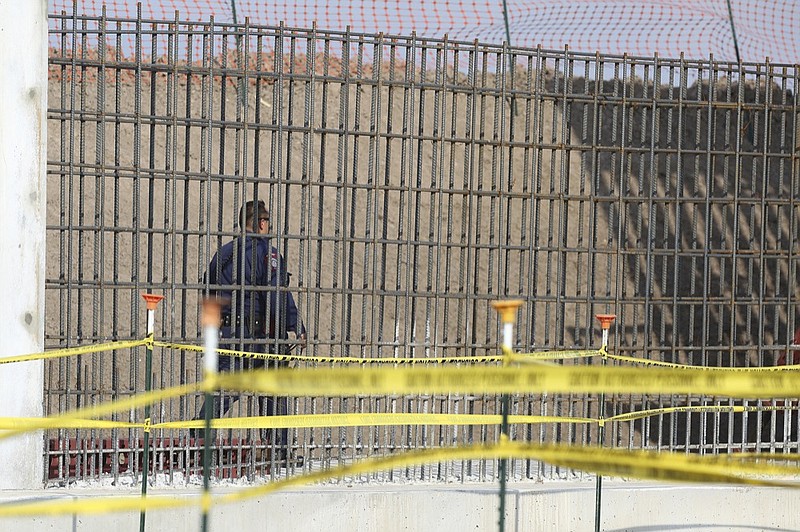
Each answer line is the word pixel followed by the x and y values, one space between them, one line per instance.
pixel 605 320
pixel 212 313
pixel 152 300
pixel 506 308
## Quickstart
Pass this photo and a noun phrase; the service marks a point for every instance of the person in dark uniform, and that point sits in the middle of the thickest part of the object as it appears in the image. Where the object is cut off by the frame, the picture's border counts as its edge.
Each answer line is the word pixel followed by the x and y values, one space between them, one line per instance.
pixel 254 307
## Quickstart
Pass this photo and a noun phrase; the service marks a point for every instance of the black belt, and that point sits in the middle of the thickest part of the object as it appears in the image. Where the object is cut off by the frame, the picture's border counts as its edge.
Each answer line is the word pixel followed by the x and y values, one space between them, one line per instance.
pixel 254 324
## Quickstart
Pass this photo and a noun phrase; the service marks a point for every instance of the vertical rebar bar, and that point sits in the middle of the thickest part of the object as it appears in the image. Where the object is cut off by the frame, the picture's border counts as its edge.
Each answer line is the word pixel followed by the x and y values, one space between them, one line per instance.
pixel 508 311
pixel 152 302
pixel 211 322
pixel 605 322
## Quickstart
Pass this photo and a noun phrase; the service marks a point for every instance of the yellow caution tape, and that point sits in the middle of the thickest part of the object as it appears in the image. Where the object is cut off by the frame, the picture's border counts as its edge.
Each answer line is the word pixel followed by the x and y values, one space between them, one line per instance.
pixel 554 355
pixel 206 501
pixel 514 357
pixel 647 362
pixel 535 356
pixel 331 359
pixel 648 465
pixel 760 457
pixel 527 378
pixel 36 423
pixel 365 419
pixel 520 357
pixel 72 351
pixel 292 421
pixel 94 505
pixel 361 420
pixel 630 416
pixel 230 352
pixel 120 405
pixel 678 467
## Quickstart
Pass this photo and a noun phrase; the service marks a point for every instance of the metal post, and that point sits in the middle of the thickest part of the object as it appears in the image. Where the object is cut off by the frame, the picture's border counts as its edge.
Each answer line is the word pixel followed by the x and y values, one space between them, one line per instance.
pixel 152 302
pixel 605 322
pixel 508 311
pixel 733 32
pixel 508 44
pixel 211 323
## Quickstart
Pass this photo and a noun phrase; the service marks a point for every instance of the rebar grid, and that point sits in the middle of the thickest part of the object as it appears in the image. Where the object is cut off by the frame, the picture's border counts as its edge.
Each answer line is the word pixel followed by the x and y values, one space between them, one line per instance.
pixel 411 181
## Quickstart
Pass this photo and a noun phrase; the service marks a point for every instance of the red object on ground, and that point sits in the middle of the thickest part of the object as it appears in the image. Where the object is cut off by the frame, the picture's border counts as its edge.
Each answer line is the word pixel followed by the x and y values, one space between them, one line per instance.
pixel 90 458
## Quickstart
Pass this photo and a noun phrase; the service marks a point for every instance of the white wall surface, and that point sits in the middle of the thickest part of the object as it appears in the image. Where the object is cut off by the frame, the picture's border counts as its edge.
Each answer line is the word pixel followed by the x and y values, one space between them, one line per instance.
pixel 552 506
pixel 23 109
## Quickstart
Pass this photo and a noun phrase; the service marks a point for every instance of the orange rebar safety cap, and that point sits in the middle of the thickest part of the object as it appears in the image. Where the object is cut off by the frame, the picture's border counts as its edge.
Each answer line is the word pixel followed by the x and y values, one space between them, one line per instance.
pixel 152 300
pixel 605 320
pixel 506 308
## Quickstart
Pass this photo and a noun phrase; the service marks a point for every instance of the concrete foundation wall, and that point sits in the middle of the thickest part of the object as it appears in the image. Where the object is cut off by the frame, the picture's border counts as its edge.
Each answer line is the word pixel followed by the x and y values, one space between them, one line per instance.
pixel 23 107
pixel 557 506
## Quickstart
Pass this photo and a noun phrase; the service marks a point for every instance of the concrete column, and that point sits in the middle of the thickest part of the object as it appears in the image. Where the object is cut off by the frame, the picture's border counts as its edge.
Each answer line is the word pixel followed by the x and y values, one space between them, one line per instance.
pixel 23 108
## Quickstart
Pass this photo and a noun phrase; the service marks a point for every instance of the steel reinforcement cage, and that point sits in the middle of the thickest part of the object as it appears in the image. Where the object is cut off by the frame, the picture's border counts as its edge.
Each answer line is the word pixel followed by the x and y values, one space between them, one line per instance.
pixel 410 182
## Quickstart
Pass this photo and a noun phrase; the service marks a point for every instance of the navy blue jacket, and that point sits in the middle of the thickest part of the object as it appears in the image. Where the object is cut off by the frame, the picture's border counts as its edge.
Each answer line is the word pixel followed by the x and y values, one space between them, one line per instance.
pixel 274 310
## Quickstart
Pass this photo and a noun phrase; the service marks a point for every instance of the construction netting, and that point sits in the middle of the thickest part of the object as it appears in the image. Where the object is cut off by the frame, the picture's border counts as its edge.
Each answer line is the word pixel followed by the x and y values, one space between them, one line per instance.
pixel 764 30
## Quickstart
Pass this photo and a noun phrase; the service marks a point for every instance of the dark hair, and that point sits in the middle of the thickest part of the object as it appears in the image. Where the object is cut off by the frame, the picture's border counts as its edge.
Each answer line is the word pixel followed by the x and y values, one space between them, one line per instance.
pixel 248 214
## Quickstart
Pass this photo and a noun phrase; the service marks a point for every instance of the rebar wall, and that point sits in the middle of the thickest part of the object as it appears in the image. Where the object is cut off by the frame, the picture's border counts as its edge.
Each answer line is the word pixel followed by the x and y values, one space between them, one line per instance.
pixel 409 182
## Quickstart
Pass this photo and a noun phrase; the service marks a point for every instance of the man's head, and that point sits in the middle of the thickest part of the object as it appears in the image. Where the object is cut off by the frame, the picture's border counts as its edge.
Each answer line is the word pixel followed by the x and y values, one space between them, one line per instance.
pixel 254 216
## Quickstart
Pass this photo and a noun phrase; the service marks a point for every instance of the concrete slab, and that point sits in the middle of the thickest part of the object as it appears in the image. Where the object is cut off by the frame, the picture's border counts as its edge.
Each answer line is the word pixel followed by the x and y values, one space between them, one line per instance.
pixel 558 506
